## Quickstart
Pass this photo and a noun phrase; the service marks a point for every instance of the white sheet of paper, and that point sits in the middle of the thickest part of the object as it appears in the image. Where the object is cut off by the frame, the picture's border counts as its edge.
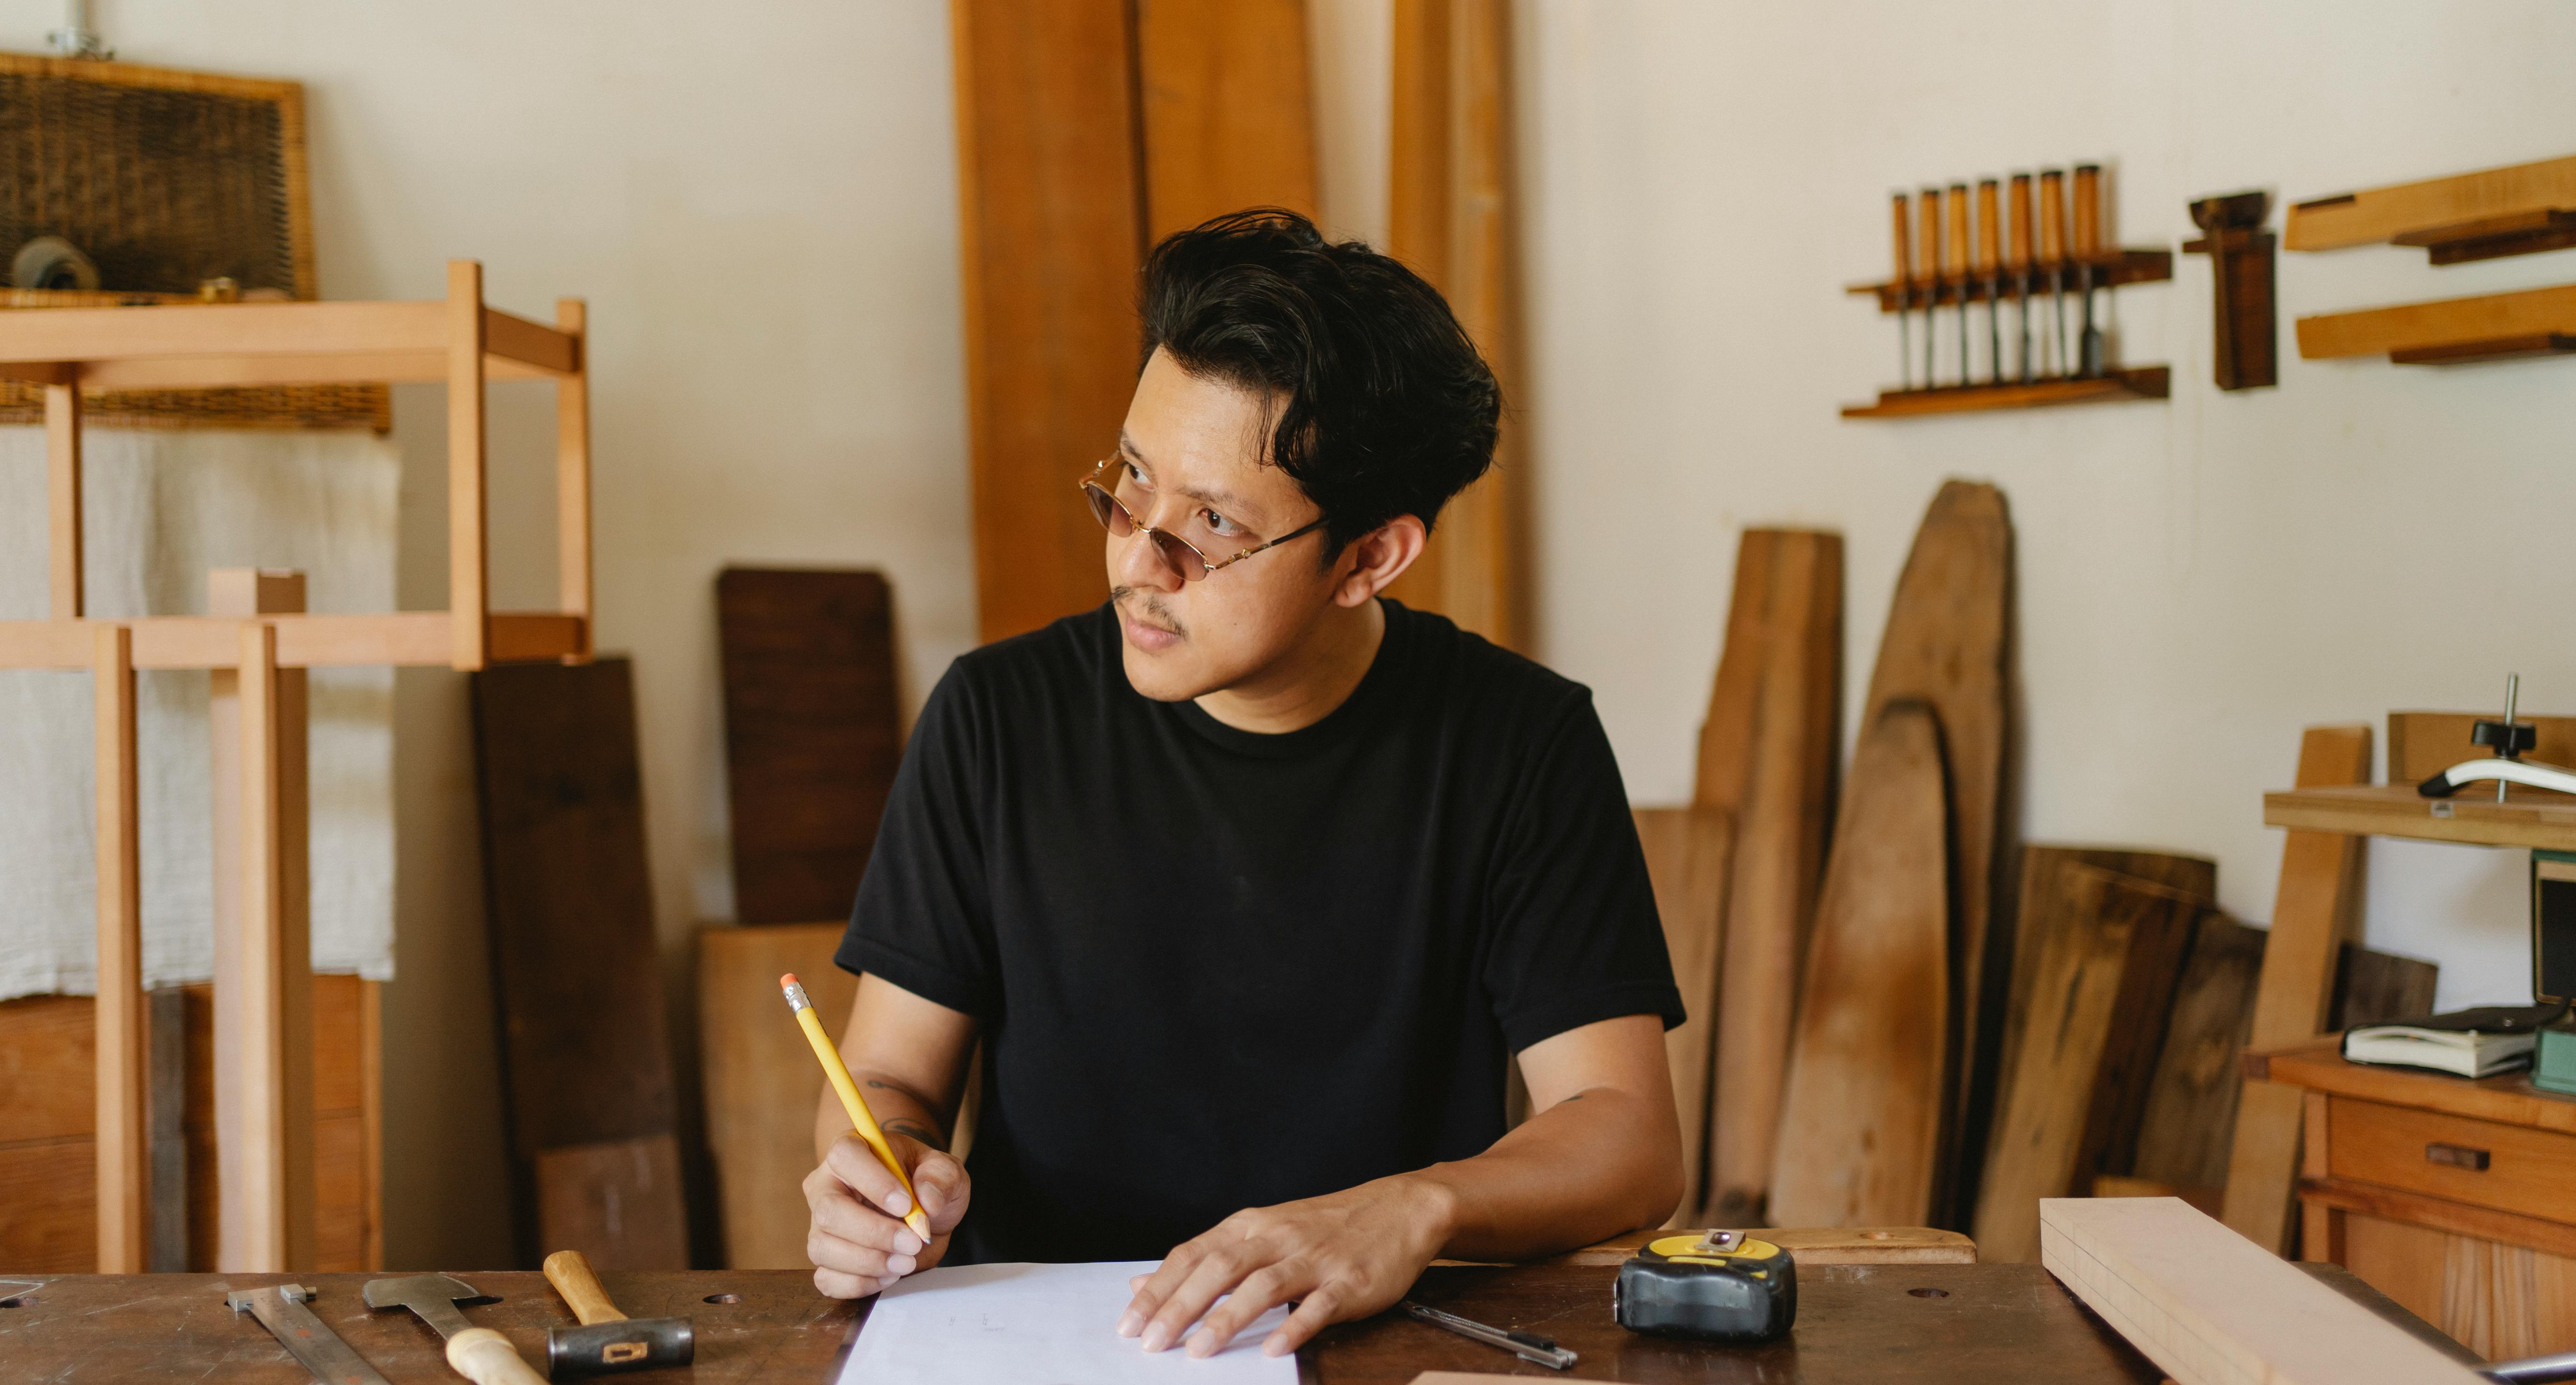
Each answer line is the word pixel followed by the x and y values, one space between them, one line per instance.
pixel 1037 1325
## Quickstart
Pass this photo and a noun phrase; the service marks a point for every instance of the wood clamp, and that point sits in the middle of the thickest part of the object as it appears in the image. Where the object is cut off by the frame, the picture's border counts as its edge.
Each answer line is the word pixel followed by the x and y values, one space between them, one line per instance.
pixel 2508 739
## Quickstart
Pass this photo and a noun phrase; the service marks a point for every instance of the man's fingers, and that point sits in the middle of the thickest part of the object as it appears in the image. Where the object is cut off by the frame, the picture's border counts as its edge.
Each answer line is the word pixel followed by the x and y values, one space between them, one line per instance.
pixel 831 1252
pixel 1321 1306
pixel 838 1213
pixel 1260 1291
pixel 1214 1277
pixel 858 1166
pixel 1151 1289
pixel 944 1189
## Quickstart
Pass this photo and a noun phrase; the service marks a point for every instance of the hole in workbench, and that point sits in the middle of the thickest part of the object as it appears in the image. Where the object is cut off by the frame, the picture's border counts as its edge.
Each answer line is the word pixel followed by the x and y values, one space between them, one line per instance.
pixel 21 1301
pixel 1929 1293
pixel 1878 1235
pixel 724 1298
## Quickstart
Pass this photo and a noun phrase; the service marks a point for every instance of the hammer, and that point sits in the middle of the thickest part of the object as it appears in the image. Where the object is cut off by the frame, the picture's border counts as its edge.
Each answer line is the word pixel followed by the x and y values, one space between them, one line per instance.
pixel 607 1340
pixel 478 1353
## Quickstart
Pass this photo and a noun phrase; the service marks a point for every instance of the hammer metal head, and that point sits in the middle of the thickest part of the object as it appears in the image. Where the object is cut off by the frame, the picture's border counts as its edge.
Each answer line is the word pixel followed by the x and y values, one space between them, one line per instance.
pixel 433 1296
pixel 627 1344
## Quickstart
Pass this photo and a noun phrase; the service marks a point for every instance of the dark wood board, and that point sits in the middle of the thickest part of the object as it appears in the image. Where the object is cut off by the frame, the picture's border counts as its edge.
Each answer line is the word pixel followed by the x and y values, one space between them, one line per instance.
pixel 1857 1325
pixel 1766 757
pixel 1686 859
pixel 2092 986
pixel 1947 636
pixel 1860 1127
pixel 811 734
pixel 576 974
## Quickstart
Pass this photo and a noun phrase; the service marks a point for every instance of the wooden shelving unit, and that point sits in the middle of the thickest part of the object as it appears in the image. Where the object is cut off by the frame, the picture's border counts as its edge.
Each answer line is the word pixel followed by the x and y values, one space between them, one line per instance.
pixel 2148 382
pixel 2452 331
pixel 2519 210
pixel 2112 270
pixel 263 1106
pixel 2527 818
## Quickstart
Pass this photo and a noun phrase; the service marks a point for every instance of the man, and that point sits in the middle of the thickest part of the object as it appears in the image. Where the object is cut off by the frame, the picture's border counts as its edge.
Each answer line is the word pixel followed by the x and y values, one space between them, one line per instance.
pixel 1251 882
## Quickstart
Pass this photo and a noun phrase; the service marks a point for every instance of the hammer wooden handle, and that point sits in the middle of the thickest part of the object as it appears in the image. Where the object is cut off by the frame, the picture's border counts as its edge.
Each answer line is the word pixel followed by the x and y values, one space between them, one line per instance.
pixel 569 1271
pixel 486 1357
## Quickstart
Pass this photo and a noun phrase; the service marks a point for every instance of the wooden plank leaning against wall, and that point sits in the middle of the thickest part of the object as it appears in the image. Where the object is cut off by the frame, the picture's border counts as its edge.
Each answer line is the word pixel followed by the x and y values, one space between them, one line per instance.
pixel 1086 129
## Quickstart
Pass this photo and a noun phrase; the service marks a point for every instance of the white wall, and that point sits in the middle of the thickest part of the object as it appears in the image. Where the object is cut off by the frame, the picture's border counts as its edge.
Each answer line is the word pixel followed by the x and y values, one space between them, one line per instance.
pixel 760 205
pixel 2198 579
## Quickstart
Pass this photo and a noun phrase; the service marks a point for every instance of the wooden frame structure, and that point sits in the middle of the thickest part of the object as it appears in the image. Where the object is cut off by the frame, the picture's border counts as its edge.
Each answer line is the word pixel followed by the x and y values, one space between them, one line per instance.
pixel 258 644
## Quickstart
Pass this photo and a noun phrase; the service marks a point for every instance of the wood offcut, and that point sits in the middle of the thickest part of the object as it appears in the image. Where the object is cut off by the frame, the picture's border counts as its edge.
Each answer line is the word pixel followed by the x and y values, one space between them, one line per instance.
pixel 1686 859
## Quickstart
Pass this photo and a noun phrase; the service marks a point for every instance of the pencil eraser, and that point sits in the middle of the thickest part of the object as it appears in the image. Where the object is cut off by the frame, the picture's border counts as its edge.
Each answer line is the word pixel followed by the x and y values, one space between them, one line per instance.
pixel 786 981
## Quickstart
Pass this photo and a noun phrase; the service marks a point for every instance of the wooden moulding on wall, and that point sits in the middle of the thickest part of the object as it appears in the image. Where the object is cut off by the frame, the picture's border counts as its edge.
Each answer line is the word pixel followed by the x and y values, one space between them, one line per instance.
pixel 2516 210
pixel 2451 331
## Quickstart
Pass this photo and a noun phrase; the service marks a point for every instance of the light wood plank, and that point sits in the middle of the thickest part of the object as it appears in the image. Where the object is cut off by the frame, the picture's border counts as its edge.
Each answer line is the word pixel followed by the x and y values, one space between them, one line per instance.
pixel 123 1150
pixel 572 474
pixel 2385 213
pixel 221 330
pixel 1766 757
pixel 1228 118
pixel 2446 322
pixel 762 1083
pixel 2314 913
pixel 1861 1120
pixel 2212 1308
pixel 63 500
pixel 468 546
pixel 2527 817
pixel 1686 859
pixel 410 638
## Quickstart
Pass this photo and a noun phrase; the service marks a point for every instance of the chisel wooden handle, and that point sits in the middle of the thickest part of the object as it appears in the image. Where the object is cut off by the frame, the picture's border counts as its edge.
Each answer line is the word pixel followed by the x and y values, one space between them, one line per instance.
pixel 1954 246
pixel 2020 251
pixel 1904 245
pixel 1927 249
pixel 1990 229
pixel 2052 217
pixel 2088 211
pixel 569 1271
pixel 486 1357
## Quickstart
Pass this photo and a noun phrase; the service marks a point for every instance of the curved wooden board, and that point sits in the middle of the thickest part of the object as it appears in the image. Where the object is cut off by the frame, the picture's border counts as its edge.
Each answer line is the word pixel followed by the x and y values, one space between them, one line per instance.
pixel 1686 858
pixel 1767 756
pixel 1860 1129
pixel 1945 645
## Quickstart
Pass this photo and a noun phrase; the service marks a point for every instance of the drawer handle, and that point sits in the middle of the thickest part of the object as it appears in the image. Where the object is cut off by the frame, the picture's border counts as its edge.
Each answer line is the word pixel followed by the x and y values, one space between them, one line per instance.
pixel 2457 1156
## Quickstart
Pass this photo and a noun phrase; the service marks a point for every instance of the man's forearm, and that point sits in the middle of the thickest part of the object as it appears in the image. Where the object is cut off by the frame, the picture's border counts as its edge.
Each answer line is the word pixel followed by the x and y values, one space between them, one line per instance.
pixel 898 1109
pixel 1595 1164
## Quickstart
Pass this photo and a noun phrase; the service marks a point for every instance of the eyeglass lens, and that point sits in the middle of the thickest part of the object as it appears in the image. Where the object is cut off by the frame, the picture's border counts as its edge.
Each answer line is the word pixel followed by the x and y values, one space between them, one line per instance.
pixel 1113 516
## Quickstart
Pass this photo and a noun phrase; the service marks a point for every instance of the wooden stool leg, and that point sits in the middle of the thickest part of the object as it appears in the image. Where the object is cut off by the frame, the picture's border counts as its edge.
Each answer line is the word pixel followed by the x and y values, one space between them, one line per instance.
pixel 2313 914
pixel 121 1142
pixel 63 499
pixel 469 597
pixel 572 474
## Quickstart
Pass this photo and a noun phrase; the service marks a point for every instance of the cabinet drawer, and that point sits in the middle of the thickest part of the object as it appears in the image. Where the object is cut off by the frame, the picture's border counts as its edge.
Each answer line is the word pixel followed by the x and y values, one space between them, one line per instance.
pixel 2510 1168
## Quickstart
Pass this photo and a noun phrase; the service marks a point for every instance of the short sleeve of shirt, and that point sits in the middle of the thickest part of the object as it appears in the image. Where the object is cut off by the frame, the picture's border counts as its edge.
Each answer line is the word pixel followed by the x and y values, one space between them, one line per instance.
pixel 923 919
pixel 1574 938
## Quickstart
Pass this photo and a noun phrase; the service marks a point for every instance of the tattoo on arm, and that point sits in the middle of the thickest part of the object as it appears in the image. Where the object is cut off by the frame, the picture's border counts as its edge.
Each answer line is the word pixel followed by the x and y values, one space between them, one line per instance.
pixel 906 1125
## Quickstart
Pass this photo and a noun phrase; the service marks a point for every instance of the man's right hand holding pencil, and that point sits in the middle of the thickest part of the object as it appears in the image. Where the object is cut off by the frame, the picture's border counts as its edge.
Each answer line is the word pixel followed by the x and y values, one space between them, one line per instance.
pixel 858 1242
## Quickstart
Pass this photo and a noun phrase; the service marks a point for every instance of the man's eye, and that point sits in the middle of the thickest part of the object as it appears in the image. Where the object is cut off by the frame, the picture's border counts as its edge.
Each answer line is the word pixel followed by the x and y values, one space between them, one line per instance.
pixel 1134 472
pixel 1219 523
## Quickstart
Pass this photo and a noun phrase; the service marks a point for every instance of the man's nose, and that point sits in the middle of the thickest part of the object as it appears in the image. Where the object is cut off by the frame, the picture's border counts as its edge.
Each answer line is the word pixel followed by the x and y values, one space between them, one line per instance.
pixel 1137 561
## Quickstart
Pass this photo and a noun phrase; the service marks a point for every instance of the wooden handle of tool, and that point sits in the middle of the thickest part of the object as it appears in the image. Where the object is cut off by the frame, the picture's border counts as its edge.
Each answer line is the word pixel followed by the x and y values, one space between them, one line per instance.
pixel 1954 247
pixel 1904 247
pixel 2021 247
pixel 569 1271
pixel 486 1357
pixel 1990 229
pixel 1927 246
pixel 2088 211
pixel 2052 216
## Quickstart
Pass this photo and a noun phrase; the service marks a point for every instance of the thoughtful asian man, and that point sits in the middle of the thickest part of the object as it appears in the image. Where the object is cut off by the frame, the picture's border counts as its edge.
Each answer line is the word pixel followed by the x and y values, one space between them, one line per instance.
pixel 1251 881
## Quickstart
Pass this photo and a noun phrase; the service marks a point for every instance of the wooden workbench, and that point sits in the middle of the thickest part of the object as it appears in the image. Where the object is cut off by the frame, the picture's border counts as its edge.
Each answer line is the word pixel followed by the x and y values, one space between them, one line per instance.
pixel 1883 1324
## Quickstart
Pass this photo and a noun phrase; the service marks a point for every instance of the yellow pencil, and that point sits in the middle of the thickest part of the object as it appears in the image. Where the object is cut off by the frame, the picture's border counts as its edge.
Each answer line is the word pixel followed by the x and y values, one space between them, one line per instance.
pixel 861 1119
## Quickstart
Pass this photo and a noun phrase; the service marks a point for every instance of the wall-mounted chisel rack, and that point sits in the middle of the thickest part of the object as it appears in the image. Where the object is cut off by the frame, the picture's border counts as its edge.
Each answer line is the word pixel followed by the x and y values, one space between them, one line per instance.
pixel 2037 260
pixel 2520 210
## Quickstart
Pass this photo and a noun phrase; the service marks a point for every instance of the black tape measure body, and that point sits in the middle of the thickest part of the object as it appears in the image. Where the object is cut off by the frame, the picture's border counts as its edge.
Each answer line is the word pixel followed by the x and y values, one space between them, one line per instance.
pixel 1723 1286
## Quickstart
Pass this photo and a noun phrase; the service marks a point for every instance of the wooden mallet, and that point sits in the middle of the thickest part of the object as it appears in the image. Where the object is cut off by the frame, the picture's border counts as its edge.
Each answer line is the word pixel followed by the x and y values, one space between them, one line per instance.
pixel 607 1340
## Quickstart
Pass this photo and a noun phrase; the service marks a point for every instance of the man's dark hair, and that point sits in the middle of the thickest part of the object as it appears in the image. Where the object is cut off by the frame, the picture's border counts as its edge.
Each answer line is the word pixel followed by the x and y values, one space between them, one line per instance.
pixel 1388 410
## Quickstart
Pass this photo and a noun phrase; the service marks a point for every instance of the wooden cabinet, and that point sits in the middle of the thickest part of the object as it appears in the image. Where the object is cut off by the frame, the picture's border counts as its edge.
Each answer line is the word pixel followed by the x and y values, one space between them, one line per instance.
pixel 2455 1198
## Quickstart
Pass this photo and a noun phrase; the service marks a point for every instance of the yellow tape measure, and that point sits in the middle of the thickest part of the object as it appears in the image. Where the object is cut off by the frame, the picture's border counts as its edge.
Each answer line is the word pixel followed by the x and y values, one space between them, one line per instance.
pixel 1717 1286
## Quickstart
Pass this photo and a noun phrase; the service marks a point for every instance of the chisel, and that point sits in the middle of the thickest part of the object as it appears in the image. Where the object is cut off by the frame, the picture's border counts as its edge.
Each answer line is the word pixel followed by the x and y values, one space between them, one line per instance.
pixel 2088 250
pixel 1904 286
pixel 2052 250
pixel 2020 254
pixel 1989 268
pixel 1954 266
pixel 1927 253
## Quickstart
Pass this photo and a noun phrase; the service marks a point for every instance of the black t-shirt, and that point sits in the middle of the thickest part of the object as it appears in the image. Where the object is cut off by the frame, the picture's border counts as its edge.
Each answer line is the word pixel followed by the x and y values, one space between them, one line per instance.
pixel 1217 969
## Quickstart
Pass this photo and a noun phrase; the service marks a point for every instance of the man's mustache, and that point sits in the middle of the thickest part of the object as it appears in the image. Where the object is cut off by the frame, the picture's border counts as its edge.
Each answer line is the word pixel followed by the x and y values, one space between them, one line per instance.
pixel 1153 606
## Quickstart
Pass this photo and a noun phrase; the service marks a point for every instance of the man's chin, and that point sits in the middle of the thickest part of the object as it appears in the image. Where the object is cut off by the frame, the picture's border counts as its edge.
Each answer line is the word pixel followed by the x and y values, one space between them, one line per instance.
pixel 1165 677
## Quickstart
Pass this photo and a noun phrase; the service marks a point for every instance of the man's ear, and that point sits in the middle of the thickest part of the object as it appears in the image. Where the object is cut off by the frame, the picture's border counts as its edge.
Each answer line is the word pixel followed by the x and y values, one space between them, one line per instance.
pixel 1380 556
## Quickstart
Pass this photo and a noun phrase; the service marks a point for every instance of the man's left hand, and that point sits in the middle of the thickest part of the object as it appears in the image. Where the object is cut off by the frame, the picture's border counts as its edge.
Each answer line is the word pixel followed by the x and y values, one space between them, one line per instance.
pixel 1346 1255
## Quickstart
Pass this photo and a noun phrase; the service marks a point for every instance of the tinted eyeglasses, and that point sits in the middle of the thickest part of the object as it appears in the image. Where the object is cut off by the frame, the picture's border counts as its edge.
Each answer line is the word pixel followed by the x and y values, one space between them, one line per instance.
pixel 1186 558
